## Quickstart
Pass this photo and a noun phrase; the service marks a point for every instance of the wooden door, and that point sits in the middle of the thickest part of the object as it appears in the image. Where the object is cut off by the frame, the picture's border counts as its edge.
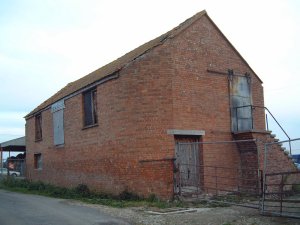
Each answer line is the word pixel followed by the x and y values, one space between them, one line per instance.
pixel 187 153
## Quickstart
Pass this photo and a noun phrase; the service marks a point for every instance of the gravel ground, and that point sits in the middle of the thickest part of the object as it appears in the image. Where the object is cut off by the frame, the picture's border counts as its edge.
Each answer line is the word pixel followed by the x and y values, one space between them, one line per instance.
pixel 201 216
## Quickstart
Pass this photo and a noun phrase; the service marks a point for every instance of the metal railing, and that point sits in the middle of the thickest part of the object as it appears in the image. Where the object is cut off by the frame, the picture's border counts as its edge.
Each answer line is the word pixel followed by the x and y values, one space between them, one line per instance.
pixel 219 179
pixel 281 194
pixel 252 107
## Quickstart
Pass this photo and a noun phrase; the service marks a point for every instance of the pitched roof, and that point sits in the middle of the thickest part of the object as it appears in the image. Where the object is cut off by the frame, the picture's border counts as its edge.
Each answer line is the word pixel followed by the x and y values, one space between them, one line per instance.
pixel 118 64
pixel 114 65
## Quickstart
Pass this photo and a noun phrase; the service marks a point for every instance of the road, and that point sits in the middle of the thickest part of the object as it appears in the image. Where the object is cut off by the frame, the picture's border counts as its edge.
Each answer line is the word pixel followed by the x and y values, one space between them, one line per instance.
pixel 23 209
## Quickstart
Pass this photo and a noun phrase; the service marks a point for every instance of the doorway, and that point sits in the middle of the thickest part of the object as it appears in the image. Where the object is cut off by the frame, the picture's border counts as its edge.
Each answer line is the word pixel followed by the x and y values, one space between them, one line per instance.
pixel 188 164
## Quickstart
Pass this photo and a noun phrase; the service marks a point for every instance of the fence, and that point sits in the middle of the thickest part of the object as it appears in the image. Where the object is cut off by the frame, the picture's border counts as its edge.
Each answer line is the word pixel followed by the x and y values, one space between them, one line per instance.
pixel 218 181
pixel 281 193
pixel 226 167
pixel 267 178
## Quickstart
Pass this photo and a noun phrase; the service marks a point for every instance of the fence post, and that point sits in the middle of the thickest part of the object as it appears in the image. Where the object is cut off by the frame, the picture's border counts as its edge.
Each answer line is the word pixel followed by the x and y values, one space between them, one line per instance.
pixel 179 186
pixel 237 120
pixel 252 120
pixel 238 180
pixel 264 178
pixel 1 157
pixel 264 193
pixel 281 193
pixel 216 180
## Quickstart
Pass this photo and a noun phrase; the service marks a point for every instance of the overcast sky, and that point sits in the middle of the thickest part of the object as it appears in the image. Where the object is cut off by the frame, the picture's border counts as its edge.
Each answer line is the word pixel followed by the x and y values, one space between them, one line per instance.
pixel 46 44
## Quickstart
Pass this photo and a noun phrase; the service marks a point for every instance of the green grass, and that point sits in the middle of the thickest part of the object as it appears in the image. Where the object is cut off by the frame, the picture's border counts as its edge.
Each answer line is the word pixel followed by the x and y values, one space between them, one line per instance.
pixel 82 193
pixel 124 199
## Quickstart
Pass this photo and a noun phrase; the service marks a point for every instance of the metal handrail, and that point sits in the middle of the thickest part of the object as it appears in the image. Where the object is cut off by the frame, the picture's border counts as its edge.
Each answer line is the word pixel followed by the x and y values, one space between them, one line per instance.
pixel 263 107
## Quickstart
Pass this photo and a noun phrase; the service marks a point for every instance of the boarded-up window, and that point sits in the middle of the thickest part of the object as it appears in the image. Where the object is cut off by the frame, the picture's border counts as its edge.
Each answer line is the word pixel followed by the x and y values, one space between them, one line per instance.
pixel 57 110
pixel 90 107
pixel 38 161
pixel 38 127
pixel 241 103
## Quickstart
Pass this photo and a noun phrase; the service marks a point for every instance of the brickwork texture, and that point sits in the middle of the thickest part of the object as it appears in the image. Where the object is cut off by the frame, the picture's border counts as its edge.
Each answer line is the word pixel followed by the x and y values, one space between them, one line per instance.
pixel 168 87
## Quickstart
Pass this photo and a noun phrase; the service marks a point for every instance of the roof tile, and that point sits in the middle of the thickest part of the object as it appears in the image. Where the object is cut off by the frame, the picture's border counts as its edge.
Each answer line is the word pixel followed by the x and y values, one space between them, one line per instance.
pixel 115 65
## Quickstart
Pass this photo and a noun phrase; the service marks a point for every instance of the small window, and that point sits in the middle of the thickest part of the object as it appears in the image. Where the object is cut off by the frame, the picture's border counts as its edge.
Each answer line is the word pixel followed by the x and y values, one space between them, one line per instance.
pixel 38 161
pixel 90 107
pixel 38 127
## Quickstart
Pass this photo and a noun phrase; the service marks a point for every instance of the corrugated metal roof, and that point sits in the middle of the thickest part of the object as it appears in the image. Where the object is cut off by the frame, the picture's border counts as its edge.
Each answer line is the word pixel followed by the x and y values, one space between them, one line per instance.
pixel 15 142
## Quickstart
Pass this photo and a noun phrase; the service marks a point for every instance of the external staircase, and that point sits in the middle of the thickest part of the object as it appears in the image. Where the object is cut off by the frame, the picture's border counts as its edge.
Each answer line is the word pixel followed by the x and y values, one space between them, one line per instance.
pixel 265 152
pixel 253 154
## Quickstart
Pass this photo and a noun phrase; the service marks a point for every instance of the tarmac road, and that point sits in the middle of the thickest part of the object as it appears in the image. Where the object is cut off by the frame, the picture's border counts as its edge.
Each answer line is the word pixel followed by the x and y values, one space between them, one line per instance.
pixel 23 209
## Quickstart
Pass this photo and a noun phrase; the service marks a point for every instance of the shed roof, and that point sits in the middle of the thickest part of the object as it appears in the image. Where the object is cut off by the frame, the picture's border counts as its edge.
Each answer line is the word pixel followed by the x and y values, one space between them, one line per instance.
pixel 17 144
pixel 118 64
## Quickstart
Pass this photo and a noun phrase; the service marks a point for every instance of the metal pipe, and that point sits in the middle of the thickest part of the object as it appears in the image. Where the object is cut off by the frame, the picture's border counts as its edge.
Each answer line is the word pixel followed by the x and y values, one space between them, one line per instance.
pixel 264 179
pixel 267 123
pixel 277 123
pixel 1 157
pixel 252 118
pixel 217 142
pixel 281 193
pixel 216 180
pixel 279 142
pixel 237 120
pixel 263 107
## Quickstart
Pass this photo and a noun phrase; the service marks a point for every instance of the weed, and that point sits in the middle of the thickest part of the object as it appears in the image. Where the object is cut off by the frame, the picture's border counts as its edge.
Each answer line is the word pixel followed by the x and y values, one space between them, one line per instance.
pixel 125 195
pixel 152 198
pixel 35 186
pixel 82 190
pixel 83 193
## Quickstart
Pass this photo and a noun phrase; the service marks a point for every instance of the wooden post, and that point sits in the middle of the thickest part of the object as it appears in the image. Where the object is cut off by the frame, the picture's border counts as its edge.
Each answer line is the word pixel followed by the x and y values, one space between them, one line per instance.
pixel 1 158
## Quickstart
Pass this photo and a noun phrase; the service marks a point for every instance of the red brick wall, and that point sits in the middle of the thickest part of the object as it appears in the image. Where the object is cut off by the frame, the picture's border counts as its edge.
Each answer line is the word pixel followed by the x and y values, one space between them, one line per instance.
pixel 277 160
pixel 134 113
pixel 201 99
pixel 167 88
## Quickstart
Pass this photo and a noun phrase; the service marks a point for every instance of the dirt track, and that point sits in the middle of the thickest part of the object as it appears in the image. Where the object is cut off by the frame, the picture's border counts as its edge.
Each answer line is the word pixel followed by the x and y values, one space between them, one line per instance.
pixel 201 216
pixel 24 209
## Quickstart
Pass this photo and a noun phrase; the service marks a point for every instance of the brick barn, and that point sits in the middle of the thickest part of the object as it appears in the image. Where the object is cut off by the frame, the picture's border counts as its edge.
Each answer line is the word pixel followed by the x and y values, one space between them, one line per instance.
pixel 116 128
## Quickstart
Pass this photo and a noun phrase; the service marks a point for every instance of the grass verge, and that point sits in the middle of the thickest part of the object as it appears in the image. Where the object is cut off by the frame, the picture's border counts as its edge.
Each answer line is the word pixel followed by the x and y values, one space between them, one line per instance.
pixel 82 193
pixel 124 199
